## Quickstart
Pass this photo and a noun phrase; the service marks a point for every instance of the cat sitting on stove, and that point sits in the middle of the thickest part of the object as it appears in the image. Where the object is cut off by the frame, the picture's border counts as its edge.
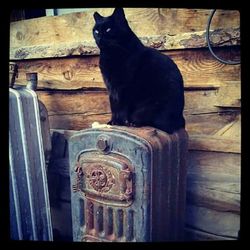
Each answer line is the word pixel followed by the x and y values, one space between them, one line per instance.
pixel 145 86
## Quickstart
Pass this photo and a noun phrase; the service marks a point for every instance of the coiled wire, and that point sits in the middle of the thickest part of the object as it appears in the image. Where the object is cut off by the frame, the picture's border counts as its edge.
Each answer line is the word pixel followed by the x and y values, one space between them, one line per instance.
pixel 209 43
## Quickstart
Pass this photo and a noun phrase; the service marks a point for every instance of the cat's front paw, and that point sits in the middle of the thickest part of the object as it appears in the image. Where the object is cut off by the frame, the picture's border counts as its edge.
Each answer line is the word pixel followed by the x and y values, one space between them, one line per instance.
pixel 111 122
pixel 132 124
pixel 129 124
pixel 114 122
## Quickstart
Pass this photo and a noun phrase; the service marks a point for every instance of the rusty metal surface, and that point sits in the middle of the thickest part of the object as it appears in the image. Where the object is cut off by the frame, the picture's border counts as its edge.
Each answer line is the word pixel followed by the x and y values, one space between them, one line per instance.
pixel 128 184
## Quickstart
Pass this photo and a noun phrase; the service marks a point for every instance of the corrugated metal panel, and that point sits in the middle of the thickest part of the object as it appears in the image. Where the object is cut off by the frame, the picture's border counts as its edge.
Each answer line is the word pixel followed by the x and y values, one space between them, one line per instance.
pixel 128 184
pixel 29 201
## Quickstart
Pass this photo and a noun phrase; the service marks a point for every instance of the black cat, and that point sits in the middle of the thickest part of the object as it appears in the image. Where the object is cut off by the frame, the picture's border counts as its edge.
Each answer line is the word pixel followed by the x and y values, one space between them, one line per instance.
pixel 145 87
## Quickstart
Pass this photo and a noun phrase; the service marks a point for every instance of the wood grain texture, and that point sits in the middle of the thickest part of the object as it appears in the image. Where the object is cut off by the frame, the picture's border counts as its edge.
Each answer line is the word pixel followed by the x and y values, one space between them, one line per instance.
pixel 89 102
pixel 225 224
pixel 79 109
pixel 208 195
pixel 192 234
pixel 213 180
pixel 144 21
pixel 71 34
pixel 163 42
pixel 75 102
pixel 229 95
pixel 232 129
pixel 198 67
pixel 81 121
pixel 215 143
pixel 209 165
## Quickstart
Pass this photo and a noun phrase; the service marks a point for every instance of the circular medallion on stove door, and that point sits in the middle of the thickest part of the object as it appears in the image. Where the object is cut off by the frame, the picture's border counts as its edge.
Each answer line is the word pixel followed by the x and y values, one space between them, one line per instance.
pixel 100 178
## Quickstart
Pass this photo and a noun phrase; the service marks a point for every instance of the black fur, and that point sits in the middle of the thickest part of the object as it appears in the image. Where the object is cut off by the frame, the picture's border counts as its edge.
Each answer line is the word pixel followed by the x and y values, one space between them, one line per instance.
pixel 145 87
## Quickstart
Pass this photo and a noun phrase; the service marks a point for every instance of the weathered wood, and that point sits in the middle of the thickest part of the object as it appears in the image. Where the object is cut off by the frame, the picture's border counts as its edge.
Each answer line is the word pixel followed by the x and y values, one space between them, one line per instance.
pixel 225 224
pixel 77 121
pixel 213 199
pixel 164 42
pixel 211 166
pixel 161 28
pixel 229 95
pixel 208 195
pixel 75 102
pixel 214 143
pixel 79 109
pixel 233 129
pixel 97 102
pixel 78 26
pixel 198 67
pixel 82 121
pixel 200 123
pixel 197 235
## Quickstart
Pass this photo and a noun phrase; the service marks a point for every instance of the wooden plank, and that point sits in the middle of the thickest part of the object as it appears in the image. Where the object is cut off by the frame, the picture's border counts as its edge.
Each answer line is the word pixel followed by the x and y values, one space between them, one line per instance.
pixel 70 73
pixel 77 121
pixel 233 129
pixel 207 123
pixel 162 28
pixel 81 121
pixel 225 224
pixel 75 102
pixel 97 102
pixel 212 166
pixel 229 95
pixel 163 42
pixel 198 67
pixel 197 235
pixel 78 26
pixel 207 195
pixel 79 109
pixel 214 143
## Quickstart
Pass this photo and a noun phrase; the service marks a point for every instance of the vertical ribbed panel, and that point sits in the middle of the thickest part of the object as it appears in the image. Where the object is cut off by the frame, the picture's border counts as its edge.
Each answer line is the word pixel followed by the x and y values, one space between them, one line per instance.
pixel 119 223
pixel 98 219
pixel 90 216
pixel 81 211
pixel 29 197
pixel 130 226
pixel 110 226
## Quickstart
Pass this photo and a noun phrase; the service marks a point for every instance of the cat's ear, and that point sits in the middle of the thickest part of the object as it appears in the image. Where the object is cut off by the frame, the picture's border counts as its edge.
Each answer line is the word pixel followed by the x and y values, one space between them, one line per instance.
pixel 119 14
pixel 97 16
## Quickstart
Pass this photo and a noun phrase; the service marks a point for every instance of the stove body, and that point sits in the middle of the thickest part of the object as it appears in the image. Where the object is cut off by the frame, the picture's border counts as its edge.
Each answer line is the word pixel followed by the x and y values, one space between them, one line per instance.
pixel 128 184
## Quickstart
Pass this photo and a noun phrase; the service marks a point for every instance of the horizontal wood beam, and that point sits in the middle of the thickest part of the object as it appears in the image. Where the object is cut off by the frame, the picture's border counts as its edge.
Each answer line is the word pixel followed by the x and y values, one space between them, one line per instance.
pixel 189 40
pixel 79 109
pixel 209 195
pixel 192 234
pixel 161 28
pixel 214 143
pixel 220 223
pixel 198 67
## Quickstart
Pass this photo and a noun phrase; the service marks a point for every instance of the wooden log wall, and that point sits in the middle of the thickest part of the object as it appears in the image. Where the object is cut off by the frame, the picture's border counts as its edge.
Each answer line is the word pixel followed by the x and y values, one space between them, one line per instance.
pixel 62 50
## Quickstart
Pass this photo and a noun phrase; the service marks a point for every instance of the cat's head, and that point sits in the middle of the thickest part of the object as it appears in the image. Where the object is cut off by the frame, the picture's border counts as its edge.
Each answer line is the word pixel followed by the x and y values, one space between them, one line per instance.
pixel 109 31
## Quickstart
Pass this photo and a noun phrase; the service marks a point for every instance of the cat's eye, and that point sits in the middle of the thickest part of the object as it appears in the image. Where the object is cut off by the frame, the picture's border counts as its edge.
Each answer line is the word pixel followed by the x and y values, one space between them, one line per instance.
pixel 108 29
pixel 96 31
